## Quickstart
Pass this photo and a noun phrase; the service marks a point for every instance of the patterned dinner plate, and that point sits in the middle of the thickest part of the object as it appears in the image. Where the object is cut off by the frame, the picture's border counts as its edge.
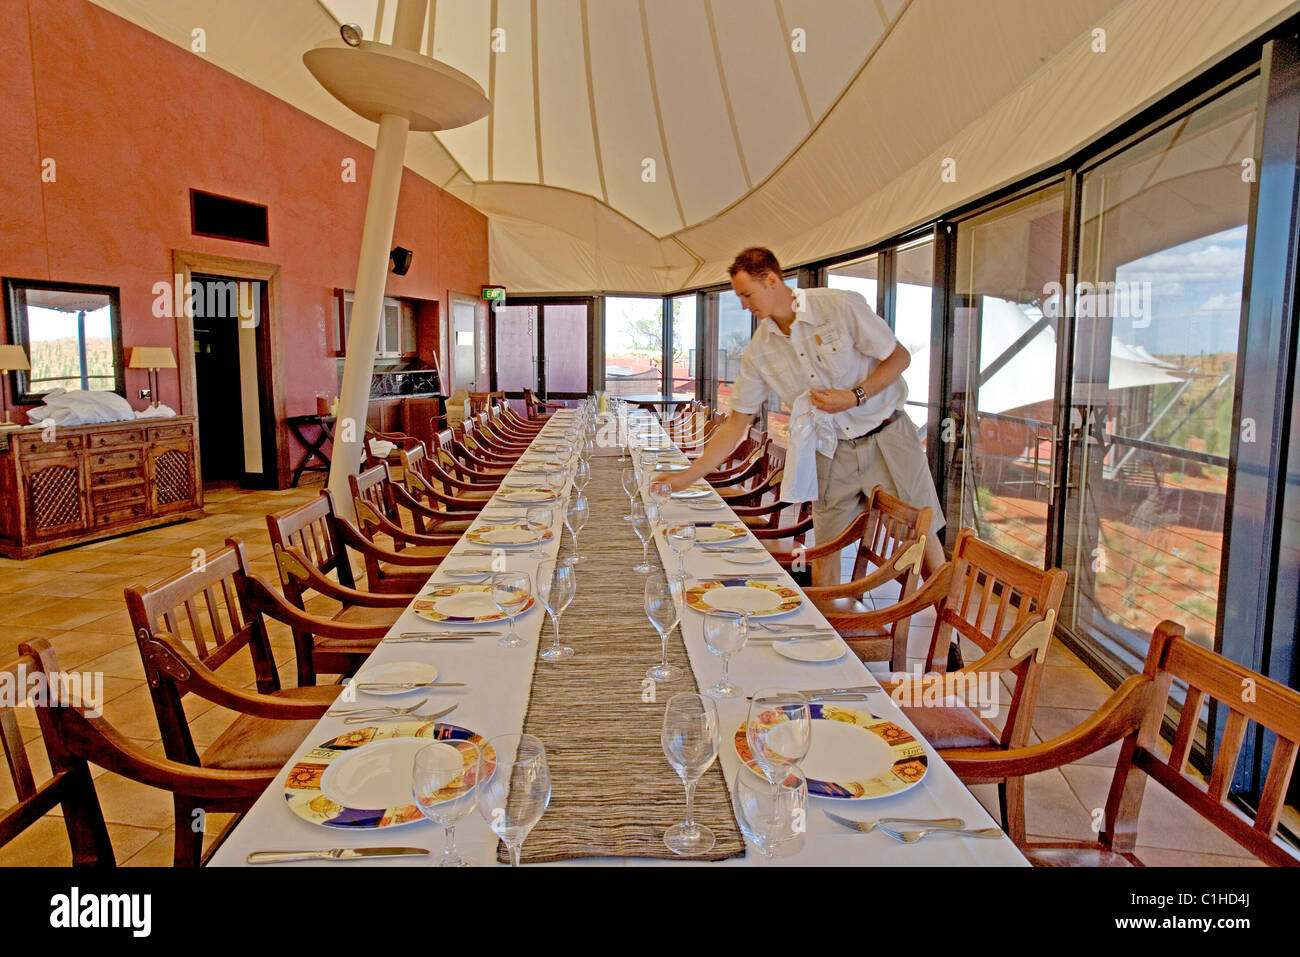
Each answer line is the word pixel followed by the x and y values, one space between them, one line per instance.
pixel 538 468
pixel 362 778
pixel 531 495
pixel 762 599
pixel 854 756
pixel 464 605
pixel 719 533
pixel 512 535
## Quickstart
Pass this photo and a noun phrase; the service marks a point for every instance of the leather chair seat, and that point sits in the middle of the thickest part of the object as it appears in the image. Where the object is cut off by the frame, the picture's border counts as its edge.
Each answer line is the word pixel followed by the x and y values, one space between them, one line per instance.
pixel 254 744
pixel 1075 855
pixel 954 726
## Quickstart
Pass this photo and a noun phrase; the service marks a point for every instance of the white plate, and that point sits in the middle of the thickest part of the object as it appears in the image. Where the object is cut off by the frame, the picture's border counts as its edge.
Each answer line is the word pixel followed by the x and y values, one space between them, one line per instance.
pixel 846 752
pixel 689 493
pixel 812 649
pixel 671 467
pixel 395 671
pixel 746 559
pixel 715 535
pixel 468 569
pixel 528 496
pixel 743 598
pixel 378 775
pixel 505 537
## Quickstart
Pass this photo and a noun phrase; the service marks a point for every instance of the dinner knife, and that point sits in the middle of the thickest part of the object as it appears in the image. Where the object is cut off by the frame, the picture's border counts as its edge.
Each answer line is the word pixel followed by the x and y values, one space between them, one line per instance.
pixel 333 854
pixel 409 685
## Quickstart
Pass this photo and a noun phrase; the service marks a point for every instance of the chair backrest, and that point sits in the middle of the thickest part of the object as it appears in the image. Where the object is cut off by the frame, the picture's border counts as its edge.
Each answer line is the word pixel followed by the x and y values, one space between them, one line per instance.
pixel 482 401
pixel 890 525
pixel 374 488
pixel 311 529
pixel 1247 698
pixel 69 787
pixel 200 609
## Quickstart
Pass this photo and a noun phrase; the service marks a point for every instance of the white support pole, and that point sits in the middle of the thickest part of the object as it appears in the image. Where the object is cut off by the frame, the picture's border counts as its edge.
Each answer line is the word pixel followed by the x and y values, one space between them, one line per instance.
pixel 372 276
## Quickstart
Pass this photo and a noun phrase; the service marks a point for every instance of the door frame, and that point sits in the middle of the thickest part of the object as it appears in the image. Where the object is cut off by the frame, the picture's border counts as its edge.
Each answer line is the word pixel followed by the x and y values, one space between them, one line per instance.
pixel 541 302
pixel 270 361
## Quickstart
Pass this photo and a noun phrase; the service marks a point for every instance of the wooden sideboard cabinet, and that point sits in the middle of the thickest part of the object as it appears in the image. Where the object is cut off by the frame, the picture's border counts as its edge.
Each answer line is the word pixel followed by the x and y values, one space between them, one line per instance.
pixel 94 481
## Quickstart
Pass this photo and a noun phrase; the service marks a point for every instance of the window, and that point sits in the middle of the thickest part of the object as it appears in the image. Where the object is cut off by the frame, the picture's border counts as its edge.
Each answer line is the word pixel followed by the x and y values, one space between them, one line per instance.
pixel 683 346
pixel 397 335
pixel 72 335
pixel 634 345
pixel 860 275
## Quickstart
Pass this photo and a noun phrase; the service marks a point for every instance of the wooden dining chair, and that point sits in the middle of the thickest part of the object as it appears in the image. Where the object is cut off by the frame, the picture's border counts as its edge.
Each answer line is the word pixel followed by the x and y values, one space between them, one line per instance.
pixel 537 408
pixel 74 738
pixel 69 787
pixel 1135 713
pixel 1007 608
pixel 387 507
pixel 433 473
pixel 187 628
pixel 444 448
pixel 890 538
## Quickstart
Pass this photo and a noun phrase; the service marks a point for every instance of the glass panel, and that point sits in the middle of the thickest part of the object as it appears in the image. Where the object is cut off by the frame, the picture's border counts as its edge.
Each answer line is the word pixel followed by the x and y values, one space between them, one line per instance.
pixel 684 353
pixel 1004 372
pixel 634 346
pixel 914 282
pixel 1162 256
pixel 462 343
pixel 390 336
pixel 566 348
pixel 516 343
pixel 860 275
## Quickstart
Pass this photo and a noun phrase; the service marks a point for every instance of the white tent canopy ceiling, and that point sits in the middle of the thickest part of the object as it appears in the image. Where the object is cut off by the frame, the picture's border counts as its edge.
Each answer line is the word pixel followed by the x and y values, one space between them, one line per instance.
pixel 636 145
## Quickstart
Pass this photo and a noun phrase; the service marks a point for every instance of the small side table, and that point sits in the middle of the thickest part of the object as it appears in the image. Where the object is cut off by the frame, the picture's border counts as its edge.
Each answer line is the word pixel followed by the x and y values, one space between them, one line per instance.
pixel 324 425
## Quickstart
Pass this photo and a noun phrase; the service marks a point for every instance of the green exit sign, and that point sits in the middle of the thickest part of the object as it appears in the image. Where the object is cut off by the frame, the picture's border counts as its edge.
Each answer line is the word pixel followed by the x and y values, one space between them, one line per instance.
pixel 494 293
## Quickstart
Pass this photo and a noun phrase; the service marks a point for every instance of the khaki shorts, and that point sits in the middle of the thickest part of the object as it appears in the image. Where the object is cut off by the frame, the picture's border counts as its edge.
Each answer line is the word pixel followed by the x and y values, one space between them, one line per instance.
pixel 893 458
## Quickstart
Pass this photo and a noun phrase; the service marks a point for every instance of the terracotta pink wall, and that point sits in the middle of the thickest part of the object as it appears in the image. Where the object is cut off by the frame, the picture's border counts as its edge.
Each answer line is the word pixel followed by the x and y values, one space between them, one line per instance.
pixel 133 122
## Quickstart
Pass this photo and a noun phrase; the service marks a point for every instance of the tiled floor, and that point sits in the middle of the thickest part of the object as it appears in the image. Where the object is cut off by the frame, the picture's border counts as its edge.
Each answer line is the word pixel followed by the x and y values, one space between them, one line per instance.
pixel 74 598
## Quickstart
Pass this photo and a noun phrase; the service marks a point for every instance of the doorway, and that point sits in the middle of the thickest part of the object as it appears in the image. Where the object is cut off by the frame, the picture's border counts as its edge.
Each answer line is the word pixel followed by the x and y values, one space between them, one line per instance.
pixel 231 352
pixel 543 346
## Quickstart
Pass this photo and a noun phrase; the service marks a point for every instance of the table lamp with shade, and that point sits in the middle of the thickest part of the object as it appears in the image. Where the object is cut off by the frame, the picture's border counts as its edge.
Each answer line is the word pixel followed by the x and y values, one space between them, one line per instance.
pixel 12 358
pixel 152 358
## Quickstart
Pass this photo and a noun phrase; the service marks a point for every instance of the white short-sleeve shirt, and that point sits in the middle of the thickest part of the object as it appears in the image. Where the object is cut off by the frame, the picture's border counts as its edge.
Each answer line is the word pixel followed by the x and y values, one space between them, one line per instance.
pixel 835 342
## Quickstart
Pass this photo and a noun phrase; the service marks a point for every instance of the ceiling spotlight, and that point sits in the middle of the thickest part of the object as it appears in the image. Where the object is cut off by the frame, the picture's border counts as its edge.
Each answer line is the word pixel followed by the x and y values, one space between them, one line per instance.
pixel 351 34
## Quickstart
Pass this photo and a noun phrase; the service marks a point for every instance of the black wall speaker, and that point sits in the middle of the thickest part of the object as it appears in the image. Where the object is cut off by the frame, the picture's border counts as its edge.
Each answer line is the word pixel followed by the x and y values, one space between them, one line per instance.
pixel 401 258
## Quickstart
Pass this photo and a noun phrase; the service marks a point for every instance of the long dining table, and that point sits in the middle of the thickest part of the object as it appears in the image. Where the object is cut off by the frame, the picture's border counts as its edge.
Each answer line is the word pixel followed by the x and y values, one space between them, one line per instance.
pixel 580 706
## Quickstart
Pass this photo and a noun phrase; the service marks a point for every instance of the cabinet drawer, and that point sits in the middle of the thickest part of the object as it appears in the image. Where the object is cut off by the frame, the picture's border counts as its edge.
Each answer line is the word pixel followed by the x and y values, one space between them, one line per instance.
pixel 120 459
pixel 104 440
pixel 125 513
pixel 117 476
pixel 36 445
pixel 180 430
pixel 110 498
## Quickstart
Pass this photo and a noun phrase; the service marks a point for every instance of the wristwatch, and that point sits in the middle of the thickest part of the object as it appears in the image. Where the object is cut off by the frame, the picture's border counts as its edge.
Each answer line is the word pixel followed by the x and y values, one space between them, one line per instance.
pixel 861 393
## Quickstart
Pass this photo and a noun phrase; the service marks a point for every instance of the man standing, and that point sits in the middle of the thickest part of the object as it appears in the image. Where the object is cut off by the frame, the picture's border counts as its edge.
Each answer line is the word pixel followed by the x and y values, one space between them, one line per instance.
pixel 829 346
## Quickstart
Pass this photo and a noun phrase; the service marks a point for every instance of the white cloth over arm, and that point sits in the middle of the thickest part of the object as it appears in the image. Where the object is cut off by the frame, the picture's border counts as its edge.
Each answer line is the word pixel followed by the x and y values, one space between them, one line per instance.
pixel 812 433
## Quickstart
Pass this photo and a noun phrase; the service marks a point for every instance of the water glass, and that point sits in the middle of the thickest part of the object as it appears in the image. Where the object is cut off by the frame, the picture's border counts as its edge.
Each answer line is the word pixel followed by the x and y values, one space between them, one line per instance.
pixel 725 634
pixel 681 539
pixel 690 742
pixel 644 531
pixel 575 518
pixel 661 608
pixel 779 731
pixel 540 518
pixel 513 800
pixel 773 819
pixel 511 592
pixel 445 785
pixel 556 586
pixel 582 475
pixel 630 487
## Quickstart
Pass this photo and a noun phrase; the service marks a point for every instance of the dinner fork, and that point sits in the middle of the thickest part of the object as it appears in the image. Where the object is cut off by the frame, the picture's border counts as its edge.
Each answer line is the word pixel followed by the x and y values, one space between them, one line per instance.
pixel 866 827
pixel 356 712
pixel 911 837
pixel 414 715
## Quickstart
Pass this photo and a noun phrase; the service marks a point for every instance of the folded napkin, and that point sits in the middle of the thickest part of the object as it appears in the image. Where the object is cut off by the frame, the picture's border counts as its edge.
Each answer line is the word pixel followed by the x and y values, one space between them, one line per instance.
pixel 812 433
pixel 381 448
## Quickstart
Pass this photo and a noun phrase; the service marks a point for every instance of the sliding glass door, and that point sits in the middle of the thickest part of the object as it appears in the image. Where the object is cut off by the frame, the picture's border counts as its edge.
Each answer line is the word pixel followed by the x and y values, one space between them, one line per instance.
pixel 542 346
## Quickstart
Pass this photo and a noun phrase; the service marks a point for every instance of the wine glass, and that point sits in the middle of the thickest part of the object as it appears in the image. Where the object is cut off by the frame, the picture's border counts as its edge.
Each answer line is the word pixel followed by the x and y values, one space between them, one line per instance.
pixel 772 818
pixel 681 538
pixel 690 742
pixel 540 518
pixel 641 525
pixel 779 731
pixel 661 609
pixel 582 475
pixel 445 784
pixel 654 516
pixel 511 592
pixel 660 492
pixel 561 584
pixel 513 800
pixel 575 518
pixel 630 487
pixel 725 634
pixel 556 479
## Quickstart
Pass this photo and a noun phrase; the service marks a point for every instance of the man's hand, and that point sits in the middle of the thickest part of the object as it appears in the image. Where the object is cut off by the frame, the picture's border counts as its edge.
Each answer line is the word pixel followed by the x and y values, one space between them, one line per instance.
pixel 833 400
pixel 674 483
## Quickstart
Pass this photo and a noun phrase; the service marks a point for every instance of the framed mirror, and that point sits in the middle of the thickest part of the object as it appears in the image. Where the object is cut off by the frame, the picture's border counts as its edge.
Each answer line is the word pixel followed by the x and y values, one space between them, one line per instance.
pixel 72 335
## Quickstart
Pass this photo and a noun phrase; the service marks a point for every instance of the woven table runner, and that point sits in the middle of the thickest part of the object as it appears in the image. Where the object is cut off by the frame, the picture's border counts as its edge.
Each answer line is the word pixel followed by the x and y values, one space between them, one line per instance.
pixel 613 792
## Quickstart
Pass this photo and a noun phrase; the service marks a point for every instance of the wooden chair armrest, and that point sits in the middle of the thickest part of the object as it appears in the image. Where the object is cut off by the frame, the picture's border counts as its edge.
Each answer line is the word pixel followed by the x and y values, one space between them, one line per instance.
pixel 928 595
pixel 412 504
pixel 1120 716
pixel 905 559
pixel 293 564
pixel 269 601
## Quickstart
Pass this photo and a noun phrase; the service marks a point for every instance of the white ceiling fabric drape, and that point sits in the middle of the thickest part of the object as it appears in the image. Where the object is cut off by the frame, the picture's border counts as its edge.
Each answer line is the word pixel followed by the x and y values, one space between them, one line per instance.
pixel 637 145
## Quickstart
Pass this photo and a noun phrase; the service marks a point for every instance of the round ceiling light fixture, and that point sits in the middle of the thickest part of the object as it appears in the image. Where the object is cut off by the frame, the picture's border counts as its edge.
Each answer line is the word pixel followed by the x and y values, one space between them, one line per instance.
pixel 351 34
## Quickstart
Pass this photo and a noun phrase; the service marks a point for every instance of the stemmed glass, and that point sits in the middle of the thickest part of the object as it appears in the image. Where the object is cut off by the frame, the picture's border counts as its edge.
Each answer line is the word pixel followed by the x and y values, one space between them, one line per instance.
pixel 725 634
pixel 560 585
pixel 513 800
pixel 681 539
pixel 630 487
pixel 539 518
pixel 772 817
pixel 582 475
pixel 445 786
pixel 556 480
pixel 575 518
pixel 779 731
pixel 510 592
pixel 641 525
pixel 661 609
pixel 690 741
